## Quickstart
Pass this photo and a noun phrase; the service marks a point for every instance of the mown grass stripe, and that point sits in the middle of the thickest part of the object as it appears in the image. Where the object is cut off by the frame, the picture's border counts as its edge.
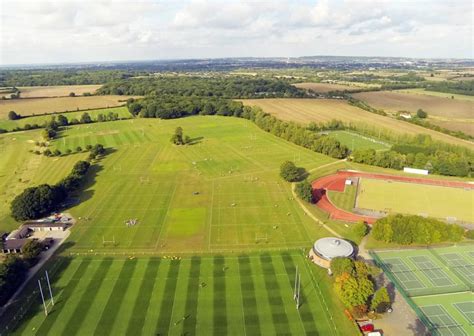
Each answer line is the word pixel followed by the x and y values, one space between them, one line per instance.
pixel 113 304
pixel 306 315
pixel 220 310
pixel 79 314
pixel 48 323
pixel 280 320
pixel 166 309
pixel 252 322
pixel 189 325
pixel 142 303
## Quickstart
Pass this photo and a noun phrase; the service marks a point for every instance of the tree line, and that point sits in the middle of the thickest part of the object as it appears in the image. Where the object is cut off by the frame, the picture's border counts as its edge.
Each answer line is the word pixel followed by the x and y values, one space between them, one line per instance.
pixel 14 78
pixel 409 229
pixel 193 86
pixel 39 201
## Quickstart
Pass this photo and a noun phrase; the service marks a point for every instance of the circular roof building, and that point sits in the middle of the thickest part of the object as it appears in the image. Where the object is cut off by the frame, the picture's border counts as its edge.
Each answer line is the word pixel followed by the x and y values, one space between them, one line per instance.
pixel 328 248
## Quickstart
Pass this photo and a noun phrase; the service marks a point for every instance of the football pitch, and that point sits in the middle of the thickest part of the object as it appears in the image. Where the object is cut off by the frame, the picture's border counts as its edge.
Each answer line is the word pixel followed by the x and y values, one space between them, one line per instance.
pixel 219 295
pixel 416 199
pixel 438 283
pixel 221 193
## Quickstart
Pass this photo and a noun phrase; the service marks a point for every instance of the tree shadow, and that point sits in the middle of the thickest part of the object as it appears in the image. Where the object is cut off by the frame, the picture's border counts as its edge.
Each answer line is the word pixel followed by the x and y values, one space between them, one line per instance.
pixel 318 194
pixel 418 328
pixel 194 141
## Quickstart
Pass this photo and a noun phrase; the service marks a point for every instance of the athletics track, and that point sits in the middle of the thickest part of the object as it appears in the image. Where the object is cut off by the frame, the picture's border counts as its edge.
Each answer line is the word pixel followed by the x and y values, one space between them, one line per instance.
pixel 336 182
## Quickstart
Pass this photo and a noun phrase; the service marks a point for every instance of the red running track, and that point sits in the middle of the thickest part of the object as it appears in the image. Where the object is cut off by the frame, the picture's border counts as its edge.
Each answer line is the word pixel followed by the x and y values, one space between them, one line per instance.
pixel 336 182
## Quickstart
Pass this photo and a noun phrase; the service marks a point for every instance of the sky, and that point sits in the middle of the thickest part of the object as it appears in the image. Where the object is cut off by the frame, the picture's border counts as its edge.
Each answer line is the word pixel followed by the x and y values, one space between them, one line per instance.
pixel 67 31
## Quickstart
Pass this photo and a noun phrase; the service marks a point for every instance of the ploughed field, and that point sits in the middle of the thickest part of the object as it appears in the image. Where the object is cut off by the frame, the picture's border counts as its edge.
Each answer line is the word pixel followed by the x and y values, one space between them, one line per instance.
pixel 34 106
pixel 56 91
pixel 454 114
pixel 324 110
pixel 219 295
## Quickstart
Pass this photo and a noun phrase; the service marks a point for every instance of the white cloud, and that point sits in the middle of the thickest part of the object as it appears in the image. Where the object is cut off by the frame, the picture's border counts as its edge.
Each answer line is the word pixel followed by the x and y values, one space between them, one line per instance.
pixel 39 31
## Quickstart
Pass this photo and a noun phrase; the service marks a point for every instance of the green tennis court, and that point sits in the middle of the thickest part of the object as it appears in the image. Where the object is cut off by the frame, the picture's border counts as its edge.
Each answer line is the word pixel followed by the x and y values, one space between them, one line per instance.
pixel 437 283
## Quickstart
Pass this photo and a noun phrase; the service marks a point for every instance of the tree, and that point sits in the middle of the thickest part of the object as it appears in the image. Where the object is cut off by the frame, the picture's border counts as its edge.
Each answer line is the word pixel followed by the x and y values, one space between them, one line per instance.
pixel 31 250
pixel 49 133
pixel 381 300
pixel 72 94
pixel 340 265
pixel 62 120
pixel 96 150
pixel 177 137
pixel 57 152
pixel 353 291
pixel 86 118
pixel 289 172
pixel 421 114
pixel 134 108
pixel 100 117
pixel 78 149
pixel 360 229
pixel 304 190
pixel 12 115
pixel 36 202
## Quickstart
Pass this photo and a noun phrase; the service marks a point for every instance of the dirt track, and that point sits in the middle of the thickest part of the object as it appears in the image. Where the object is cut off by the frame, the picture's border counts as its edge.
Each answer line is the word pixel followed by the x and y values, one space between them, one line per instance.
pixel 336 182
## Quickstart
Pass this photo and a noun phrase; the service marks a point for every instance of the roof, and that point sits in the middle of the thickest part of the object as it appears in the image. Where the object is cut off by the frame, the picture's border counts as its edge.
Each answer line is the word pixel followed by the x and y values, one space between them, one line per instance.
pixel 43 224
pixel 332 247
pixel 14 244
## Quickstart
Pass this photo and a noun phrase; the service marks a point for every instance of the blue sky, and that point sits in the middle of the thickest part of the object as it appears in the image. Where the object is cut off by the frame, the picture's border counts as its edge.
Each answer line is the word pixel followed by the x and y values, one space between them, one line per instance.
pixel 41 31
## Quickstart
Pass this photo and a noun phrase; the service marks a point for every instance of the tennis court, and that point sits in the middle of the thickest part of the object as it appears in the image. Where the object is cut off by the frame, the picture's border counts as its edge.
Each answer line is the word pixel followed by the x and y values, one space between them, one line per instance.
pixel 442 321
pixel 437 283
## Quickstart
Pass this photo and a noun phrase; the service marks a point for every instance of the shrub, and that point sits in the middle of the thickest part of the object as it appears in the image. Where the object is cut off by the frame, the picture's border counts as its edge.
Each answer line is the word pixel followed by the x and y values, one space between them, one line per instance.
pixel 381 300
pixel 304 190
pixel 342 265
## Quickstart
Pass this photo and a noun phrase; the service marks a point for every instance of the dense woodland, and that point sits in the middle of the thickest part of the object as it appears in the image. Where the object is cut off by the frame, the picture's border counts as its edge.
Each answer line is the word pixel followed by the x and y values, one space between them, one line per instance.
pixel 223 87
pixel 15 78
pixel 457 87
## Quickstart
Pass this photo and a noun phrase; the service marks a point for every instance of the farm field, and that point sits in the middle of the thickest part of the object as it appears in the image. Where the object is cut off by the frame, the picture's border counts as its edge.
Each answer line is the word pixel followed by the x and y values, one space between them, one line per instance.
pixel 233 295
pixel 420 91
pixel 323 110
pixel 438 283
pixel 325 87
pixel 9 125
pixel 466 126
pixel 222 193
pixel 20 169
pixel 28 107
pixel 56 91
pixel 435 106
pixel 412 198
pixel 355 141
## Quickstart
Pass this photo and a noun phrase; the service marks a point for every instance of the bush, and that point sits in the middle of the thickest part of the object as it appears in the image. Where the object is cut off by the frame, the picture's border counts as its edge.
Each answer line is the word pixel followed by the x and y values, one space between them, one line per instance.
pixel 470 234
pixel 289 172
pixel 381 300
pixel 341 265
pixel 421 114
pixel 360 229
pixel 12 115
pixel 304 190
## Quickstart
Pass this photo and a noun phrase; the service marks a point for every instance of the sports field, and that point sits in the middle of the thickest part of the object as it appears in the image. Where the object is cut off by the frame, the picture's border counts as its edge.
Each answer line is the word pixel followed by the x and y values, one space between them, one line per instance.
pixel 27 107
pixel 417 199
pixel 9 125
pixel 323 110
pixel 221 193
pixel 355 141
pixel 231 295
pixel 438 283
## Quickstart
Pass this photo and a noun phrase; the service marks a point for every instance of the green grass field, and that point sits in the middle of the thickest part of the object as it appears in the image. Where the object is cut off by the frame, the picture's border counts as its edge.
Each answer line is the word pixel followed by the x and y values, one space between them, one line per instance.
pixel 355 141
pixel 412 198
pixel 244 295
pixel 439 284
pixel 12 124
pixel 344 200
pixel 233 165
